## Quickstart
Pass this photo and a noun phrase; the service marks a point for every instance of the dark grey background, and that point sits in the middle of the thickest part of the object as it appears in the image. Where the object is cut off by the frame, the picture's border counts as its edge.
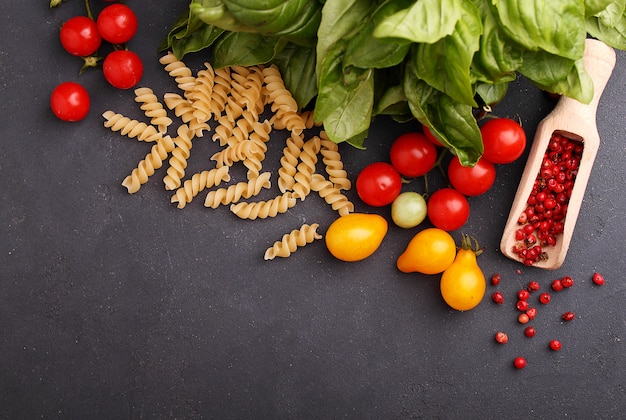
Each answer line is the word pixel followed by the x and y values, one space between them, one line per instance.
pixel 120 306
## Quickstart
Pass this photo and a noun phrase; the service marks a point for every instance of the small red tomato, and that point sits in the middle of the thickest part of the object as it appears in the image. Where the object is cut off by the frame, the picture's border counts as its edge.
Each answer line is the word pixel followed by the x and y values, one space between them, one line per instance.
pixel 448 209
pixel 471 180
pixel 504 140
pixel 378 184
pixel 413 155
pixel 80 37
pixel 122 69
pixel 70 101
pixel 430 136
pixel 117 23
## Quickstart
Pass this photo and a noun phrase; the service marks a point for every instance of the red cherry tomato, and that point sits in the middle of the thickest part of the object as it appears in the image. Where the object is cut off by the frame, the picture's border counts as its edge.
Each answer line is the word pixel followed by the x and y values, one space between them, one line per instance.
pixel 80 37
pixel 429 135
pixel 413 155
pixel 122 69
pixel 471 180
pixel 504 140
pixel 117 23
pixel 70 101
pixel 448 209
pixel 378 184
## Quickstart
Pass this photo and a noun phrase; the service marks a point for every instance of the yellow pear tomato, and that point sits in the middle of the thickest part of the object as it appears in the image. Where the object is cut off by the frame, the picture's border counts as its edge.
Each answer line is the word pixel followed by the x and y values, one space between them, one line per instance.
pixel 463 283
pixel 431 251
pixel 355 236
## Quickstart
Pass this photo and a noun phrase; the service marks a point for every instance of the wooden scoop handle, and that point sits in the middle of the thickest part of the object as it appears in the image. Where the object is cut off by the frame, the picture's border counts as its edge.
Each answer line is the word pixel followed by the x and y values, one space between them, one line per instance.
pixel 576 121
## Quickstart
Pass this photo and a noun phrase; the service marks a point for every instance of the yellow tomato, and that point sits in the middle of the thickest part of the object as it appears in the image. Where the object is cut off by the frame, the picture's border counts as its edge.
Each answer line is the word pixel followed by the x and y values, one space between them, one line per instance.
pixel 431 251
pixel 463 283
pixel 355 236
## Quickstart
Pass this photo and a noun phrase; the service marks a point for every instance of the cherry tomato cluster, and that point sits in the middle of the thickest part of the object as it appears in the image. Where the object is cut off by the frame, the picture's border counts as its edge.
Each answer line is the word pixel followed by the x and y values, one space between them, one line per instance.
pixel 415 154
pixel 82 36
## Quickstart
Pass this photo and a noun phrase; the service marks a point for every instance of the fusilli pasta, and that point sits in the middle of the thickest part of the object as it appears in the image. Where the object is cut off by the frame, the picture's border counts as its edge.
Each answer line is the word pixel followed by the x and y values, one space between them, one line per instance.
pixel 146 167
pixel 233 193
pixel 264 209
pixel 198 182
pixel 130 128
pixel 290 242
pixel 153 109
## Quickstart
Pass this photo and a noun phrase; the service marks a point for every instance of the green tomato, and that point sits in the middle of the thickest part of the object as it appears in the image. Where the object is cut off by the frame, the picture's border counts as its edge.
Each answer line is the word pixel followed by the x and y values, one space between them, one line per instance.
pixel 409 209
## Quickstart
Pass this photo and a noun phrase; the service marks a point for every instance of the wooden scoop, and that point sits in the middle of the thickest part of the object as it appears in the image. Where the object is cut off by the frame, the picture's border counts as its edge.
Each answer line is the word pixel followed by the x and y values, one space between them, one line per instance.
pixel 575 121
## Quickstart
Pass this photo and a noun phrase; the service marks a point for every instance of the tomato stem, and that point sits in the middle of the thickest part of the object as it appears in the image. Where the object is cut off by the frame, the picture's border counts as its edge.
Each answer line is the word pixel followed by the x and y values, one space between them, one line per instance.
pixel 89 14
pixel 470 242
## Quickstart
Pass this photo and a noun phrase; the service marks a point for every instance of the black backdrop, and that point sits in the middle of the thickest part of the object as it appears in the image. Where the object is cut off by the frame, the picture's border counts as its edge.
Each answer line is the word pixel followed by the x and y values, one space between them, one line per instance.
pixel 120 306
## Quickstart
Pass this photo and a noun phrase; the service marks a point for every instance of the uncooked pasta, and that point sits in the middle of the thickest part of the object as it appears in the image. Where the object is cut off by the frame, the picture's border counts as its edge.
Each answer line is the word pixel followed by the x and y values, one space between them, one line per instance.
pixel 291 241
pixel 245 105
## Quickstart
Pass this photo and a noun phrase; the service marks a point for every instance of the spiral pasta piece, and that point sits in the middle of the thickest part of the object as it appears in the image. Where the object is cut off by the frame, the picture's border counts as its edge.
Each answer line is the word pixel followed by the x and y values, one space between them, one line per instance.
pixel 221 90
pixel 180 72
pixel 264 209
pixel 202 92
pixel 233 193
pixel 252 96
pixel 306 167
pixel 197 183
pixel 309 119
pixel 331 194
pixel 153 108
pixel 333 163
pixel 290 120
pixel 147 166
pixel 178 161
pixel 130 128
pixel 184 109
pixel 277 95
pixel 234 153
pixel 290 242
pixel 289 161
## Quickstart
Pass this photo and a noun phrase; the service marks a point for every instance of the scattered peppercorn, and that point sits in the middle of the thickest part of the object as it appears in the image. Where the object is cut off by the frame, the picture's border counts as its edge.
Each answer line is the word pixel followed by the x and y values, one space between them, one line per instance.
pixel 555 345
pixel 522 305
pixel 557 285
pixel 495 279
pixel 545 298
pixel 519 362
pixel 531 312
pixel 497 297
pixel 598 279
pixel 533 286
pixel 523 318
pixel 523 294
pixel 567 281
pixel 568 316
pixel 530 331
pixel 501 337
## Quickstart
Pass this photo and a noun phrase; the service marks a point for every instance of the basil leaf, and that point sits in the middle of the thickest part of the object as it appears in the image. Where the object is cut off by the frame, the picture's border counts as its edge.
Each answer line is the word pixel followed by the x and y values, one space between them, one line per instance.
pixel 244 49
pixel 556 26
pixel 497 58
pixel 492 93
pixel 577 84
pixel 612 36
pixel 426 21
pixel 340 18
pixel 345 97
pixel 295 20
pixel 544 68
pixel 453 123
pixel 593 7
pixel 445 64
pixel 366 51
